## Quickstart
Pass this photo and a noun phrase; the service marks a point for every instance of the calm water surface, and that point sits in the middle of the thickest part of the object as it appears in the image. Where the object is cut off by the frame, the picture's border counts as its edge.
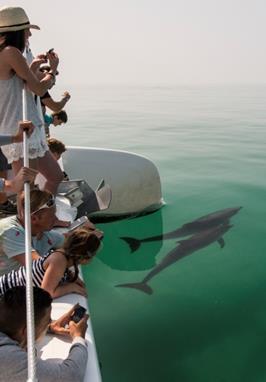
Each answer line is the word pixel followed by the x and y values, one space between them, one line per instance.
pixel 206 318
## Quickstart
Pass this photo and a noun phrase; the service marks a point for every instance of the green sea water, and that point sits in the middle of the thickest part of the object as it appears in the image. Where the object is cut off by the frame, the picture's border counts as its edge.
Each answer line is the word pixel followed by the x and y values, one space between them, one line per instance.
pixel 206 318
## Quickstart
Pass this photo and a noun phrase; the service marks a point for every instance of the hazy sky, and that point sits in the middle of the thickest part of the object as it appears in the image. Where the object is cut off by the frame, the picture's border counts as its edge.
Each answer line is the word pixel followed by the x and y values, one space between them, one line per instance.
pixel 152 41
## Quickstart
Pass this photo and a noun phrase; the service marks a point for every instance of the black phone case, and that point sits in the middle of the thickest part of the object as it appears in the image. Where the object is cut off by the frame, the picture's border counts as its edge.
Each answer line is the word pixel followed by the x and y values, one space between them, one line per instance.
pixel 78 314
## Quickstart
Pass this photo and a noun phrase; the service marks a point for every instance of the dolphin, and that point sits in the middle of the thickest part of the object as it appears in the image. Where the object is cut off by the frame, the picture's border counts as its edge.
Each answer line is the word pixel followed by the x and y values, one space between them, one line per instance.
pixel 185 247
pixel 198 225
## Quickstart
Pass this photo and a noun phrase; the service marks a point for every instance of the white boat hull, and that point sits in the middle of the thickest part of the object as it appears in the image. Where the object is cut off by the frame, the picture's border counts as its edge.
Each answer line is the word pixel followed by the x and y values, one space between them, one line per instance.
pixel 134 179
pixel 57 347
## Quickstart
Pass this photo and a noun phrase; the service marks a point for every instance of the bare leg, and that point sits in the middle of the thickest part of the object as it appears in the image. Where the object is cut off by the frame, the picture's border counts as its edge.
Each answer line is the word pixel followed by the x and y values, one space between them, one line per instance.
pixel 3 196
pixel 51 170
pixel 16 166
pixel 3 174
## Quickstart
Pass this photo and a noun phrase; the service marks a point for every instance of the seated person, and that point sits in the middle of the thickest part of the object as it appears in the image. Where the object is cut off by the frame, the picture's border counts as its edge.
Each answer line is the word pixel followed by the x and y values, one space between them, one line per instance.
pixel 43 218
pixel 57 148
pixel 51 272
pixel 13 339
pixel 56 119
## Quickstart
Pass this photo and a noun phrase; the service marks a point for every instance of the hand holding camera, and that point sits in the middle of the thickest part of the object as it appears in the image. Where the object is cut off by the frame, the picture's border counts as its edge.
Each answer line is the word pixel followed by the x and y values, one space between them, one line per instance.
pixel 53 59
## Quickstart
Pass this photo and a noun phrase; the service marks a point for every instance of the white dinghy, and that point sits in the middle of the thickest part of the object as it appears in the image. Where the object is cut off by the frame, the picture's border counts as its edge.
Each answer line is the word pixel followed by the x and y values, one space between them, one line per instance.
pixel 134 179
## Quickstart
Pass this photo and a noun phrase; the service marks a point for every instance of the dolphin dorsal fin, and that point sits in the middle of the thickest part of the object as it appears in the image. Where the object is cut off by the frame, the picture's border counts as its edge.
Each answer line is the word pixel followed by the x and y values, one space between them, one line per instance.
pixel 221 242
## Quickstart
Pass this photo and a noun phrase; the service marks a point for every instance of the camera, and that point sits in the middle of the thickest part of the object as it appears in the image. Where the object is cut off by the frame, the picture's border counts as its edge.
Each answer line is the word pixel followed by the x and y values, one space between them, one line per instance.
pixel 77 223
pixel 78 314
pixel 49 51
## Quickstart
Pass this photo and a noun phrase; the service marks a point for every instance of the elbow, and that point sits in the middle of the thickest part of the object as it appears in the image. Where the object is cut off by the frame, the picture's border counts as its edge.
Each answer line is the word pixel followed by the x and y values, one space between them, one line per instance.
pixel 77 376
pixel 52 293
pixel 40 91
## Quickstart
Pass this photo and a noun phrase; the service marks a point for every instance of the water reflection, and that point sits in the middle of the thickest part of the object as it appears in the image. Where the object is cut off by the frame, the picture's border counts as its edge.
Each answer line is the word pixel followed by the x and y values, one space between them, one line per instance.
pixel 117 254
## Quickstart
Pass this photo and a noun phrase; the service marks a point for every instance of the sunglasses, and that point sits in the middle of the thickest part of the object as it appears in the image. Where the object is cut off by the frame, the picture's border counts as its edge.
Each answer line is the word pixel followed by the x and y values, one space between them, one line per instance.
pixel 50 203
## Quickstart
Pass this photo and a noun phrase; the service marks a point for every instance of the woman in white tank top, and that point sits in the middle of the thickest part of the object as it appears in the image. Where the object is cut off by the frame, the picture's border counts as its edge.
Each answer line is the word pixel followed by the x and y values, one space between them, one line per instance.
pixel 14 72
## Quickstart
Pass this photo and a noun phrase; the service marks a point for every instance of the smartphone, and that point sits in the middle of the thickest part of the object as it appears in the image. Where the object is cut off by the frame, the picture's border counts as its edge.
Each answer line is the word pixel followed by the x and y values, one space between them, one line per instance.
pixel 78 314
pixel 77 223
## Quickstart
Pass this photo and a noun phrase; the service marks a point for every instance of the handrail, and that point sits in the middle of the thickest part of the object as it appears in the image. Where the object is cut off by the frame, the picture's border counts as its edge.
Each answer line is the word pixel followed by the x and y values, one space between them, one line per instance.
pixel 28 260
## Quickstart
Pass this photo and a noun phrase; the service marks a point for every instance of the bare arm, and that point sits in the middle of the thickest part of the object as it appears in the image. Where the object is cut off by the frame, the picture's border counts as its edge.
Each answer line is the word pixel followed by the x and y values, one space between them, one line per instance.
pixel 55 267
pixel 56 105
pixel 16 184
pixel 18 64
pixel 67 288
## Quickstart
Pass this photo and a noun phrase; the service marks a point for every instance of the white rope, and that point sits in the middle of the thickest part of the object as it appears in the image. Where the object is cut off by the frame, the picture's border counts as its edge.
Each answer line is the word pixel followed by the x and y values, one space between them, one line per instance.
pixel 28 261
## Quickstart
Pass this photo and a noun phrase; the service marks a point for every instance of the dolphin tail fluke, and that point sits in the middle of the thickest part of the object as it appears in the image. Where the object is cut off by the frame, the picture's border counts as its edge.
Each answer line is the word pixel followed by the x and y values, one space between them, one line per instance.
pixel 134 244
pixel 140 286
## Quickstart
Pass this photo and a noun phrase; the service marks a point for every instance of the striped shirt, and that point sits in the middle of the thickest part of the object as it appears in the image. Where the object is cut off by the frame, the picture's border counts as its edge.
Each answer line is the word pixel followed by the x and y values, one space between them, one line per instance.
pixel 18 277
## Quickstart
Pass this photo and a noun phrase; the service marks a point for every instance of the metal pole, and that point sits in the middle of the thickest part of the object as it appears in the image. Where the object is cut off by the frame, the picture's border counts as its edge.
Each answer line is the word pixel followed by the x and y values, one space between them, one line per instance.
pixel 28 260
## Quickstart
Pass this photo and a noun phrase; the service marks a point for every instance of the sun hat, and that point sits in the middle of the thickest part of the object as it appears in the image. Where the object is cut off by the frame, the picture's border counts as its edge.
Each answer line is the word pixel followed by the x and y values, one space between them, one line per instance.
pixel 14 19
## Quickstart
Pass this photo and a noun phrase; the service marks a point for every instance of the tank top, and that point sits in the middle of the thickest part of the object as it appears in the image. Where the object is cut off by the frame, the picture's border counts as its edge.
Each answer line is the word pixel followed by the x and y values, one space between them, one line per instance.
pixel 11 114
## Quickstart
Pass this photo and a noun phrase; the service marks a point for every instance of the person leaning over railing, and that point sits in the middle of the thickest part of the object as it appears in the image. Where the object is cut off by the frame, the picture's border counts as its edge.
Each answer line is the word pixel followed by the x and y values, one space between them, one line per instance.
pixel 57 148
pixel 55 119
pixel 52 272
pixel 13 339
pixel 44 238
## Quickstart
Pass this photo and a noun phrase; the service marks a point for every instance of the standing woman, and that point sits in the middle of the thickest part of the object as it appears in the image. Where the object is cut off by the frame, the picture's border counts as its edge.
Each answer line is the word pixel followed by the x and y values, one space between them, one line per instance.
pixel 14 73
